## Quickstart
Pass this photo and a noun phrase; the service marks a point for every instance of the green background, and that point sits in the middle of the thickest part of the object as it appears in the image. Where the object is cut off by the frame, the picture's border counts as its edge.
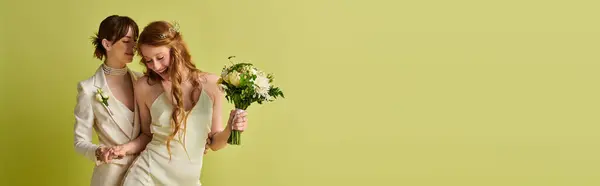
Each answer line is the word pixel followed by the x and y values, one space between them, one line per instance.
pixel 418 93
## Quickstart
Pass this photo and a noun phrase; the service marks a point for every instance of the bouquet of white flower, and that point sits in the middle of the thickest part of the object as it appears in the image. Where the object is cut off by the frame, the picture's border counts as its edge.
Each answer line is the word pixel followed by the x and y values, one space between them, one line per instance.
pixel 245 84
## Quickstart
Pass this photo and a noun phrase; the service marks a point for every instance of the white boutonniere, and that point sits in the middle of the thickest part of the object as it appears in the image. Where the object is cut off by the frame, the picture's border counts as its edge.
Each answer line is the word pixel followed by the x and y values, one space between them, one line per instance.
pixel 103 98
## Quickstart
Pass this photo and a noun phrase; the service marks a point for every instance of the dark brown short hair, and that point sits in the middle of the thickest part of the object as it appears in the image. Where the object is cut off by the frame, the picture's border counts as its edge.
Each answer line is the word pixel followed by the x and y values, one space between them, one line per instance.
pixel 113 28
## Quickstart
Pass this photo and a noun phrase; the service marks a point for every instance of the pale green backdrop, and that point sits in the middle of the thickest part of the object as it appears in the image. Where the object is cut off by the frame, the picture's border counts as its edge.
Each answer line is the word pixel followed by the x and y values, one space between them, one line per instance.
pixel 415 93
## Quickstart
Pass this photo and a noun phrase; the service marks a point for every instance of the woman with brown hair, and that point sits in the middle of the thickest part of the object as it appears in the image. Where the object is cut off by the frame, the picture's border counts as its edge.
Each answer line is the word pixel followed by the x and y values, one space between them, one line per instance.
pixel 106 103
pixel 180 107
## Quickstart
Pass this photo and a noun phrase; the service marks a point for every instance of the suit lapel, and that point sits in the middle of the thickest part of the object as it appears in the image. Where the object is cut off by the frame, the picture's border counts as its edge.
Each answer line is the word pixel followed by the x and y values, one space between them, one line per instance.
pixel 115 114
pixel 136 116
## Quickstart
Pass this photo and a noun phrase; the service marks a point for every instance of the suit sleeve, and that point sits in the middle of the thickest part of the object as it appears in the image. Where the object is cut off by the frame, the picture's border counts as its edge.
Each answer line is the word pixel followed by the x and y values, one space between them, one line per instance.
pixel 84 121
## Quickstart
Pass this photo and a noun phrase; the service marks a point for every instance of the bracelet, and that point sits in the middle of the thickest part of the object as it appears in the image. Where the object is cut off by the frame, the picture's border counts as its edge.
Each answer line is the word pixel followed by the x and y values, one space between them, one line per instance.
pixel 98 152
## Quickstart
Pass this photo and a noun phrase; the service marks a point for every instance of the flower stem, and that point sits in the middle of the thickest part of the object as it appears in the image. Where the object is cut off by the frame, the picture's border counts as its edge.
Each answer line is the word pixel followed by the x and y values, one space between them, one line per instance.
pixel 236 136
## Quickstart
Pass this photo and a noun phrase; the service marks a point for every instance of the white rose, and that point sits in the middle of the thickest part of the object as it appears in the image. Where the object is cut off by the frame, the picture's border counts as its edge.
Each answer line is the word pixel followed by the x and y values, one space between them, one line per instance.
pixel 99 97
pixel 234 78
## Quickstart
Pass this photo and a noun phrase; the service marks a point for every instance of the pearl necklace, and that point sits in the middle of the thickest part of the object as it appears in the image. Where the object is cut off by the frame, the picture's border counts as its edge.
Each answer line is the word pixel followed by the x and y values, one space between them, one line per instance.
pixel 114 71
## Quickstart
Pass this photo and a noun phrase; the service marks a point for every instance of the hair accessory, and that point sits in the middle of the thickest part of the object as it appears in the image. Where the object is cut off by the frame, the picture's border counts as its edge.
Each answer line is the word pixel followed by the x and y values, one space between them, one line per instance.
pixel 173 29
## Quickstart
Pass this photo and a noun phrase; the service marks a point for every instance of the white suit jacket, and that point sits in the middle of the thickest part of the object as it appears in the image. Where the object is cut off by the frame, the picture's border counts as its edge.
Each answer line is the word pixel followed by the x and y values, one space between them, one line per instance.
pixel 112 129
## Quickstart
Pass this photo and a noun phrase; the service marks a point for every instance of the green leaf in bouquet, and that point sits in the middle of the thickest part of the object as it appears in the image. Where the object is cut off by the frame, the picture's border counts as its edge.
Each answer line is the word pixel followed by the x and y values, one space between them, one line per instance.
pixel 270 77
pixel 276 92
pixel 245 80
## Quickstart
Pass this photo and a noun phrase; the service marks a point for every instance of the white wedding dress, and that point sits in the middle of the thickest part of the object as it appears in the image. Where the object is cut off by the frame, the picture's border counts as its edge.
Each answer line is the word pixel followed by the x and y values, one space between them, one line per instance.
pixel 153 167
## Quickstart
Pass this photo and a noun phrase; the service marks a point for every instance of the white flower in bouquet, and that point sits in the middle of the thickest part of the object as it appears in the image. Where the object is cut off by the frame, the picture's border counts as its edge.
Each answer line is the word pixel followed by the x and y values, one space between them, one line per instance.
pixel 262 86
pixel 234 78
pixel 245 84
